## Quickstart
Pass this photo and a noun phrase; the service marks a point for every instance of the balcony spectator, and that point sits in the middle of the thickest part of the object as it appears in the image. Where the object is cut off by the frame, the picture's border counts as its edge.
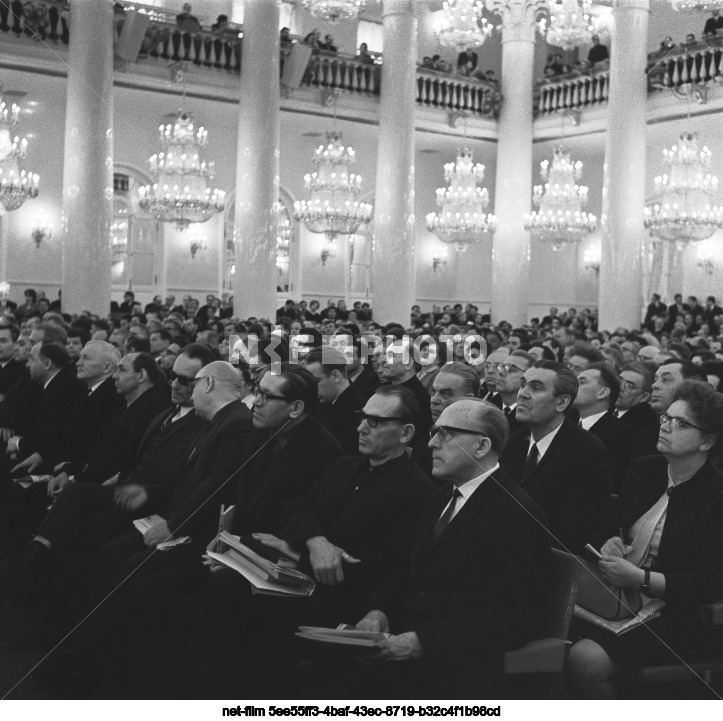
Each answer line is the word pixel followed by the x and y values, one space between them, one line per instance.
pixel 186 21
pixel 427 63
pixel 221 25
pixel 667 44
pixel 467 62
pixel 713 24
pixel 598 53
pixel 364 57
pixel 285 39
pixel 328 45
pixel 313 38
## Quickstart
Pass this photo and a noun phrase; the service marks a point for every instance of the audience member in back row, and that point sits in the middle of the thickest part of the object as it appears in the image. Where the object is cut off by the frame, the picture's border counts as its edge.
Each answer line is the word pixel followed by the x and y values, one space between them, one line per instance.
pixel 87 544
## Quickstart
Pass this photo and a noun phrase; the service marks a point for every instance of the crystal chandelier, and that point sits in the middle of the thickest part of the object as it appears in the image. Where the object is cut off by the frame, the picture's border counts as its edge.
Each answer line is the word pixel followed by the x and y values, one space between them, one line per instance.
pixel 462 219
pixel 332 207
pixel 332 11
pixel 283 235
pixel 683 210
pixel 702 5
pixel 560 219
pixel 463 26
pixel 16 186
pixel 569 25
pixel 180 193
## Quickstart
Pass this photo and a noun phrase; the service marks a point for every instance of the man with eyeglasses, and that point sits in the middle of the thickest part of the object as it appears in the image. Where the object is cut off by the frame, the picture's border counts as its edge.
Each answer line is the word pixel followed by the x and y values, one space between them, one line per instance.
pixel 488 376
pixel 351 531
pixel 668 378
pixel 632 407
pixel 508 377
pixel 477 565
pixel 565 469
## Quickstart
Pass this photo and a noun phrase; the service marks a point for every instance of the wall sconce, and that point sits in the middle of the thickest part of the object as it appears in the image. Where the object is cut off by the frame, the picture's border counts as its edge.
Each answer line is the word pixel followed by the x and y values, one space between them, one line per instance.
pixel 591 259
pixel 42 230
pixel 440 257
pixel 328 251
pixel 196 245
pixel 4 292
pixel 705 260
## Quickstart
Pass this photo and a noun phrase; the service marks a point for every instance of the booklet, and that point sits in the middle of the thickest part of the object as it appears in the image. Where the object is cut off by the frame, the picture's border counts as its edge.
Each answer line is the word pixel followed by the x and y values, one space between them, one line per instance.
pixel 648 611
pixel 341 635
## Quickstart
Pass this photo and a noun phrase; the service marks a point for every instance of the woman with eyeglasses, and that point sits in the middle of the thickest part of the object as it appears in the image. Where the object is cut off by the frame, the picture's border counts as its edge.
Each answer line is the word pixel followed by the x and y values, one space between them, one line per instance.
pixel 669 546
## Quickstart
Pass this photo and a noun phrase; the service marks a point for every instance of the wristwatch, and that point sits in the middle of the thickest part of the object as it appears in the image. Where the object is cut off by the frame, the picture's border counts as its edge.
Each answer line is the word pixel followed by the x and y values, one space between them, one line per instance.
pixel 645 585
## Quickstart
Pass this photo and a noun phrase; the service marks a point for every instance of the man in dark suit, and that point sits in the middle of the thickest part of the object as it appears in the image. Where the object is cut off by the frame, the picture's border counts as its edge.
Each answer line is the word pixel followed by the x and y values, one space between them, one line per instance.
pixel 712 310
pixel 488 387
pixel 477 565
pixel 339 401
pixel 508 377
pixel 655 308
pixel 677 310
pixel 10 369
pixel 632 407
pixel 599 388
pixel 668 378
pixel 565 469
pixel 361 375
pixel 398 366
pixel 351 531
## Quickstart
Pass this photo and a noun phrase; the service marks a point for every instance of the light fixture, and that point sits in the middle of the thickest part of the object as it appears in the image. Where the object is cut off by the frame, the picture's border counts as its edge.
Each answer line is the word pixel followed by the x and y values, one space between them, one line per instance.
pixel 683 211
pixel 463 26
pixel 701 5
pixel 440 257
pixel 283 236
pixel 462 219
pixel 332 207
pixel 591 258
pixel 180 193
pixel 197 243
pixel 42 230
pixel 332 11
pixel 705 259
pixel 569 24
pixel 4 294
pixel 560 219
pixel 16 185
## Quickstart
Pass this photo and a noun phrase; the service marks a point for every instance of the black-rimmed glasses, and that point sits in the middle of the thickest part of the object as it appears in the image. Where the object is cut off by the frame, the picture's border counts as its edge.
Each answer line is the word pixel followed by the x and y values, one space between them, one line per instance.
pixel 184 381
pixel 445 432
pixel 677 422
pixel 374 421
pixel 263 396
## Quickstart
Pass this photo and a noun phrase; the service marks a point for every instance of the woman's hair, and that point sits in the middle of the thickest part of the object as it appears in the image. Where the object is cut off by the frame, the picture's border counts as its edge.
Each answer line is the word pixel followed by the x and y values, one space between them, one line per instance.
pixel 705 406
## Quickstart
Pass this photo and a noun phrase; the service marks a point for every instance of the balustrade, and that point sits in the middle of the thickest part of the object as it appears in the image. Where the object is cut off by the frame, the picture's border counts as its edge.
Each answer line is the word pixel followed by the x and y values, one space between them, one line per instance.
pixel 573 92
pixel 699 63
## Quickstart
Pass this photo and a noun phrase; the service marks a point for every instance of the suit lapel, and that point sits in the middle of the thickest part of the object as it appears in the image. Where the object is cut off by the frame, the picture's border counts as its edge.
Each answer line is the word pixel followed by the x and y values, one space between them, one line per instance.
pixel 203 439
pixel 557 443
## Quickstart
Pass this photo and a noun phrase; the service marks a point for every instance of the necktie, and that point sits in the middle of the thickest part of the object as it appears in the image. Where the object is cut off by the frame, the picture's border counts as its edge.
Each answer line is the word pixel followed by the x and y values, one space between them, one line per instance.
pixel 446 517
pixel 507 410
pixel 169 418
pixel 530 462
pixel 616 413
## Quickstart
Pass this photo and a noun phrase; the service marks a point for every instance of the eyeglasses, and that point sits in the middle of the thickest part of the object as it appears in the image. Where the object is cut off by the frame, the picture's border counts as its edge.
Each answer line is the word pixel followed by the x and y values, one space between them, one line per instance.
pixel 263 396
pixel 445 432
pixel 676 422
pixel 374 421
pixel 508 368
pixel 627 386
pixel 184 381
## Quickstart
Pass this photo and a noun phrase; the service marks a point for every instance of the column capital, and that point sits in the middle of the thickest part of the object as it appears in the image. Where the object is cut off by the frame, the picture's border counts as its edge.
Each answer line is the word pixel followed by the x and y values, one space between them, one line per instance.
pixel 518 17
pixel 631 5
pixel 401 7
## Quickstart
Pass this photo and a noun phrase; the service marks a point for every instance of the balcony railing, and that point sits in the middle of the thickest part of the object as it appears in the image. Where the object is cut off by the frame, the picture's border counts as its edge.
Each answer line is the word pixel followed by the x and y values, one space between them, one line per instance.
pixel 697 64
pixel 571 92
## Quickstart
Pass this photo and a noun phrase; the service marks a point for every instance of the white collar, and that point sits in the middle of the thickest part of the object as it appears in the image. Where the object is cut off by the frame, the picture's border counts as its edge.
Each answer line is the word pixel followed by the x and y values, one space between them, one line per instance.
pixel 544 443
pixel 469 487
pixel 511 406
pixel 590 421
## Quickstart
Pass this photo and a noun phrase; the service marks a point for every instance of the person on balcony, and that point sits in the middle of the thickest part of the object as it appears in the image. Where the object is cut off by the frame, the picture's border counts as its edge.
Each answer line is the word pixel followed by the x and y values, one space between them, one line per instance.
pixel 598 53
pixel 713 24
pixel 328 45
pixel 466 62
pixel 186 21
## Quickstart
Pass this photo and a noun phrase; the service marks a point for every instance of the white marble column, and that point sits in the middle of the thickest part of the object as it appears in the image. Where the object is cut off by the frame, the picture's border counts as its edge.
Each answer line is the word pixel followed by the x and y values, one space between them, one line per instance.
pixel 393 261
pixel 88 160
pixel 257 163
pixel 621 298
pixel 513 177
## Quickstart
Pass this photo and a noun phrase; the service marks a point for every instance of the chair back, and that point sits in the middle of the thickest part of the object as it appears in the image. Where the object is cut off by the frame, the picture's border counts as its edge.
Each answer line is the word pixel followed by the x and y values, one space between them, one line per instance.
pixel 562 579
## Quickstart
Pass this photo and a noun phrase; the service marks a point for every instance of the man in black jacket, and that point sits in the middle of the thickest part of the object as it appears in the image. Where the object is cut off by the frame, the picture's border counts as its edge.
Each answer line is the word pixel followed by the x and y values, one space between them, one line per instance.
pixel 633 404
pixel 10 369
pixel 476 570
pixel 566 470
pixel 339 401
pixel 350 531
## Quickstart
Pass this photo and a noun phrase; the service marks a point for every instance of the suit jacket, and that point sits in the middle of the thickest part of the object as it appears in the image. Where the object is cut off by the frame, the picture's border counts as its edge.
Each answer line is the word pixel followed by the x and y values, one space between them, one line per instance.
pixel 374 524
pixel 425 405
pixel 618 442
pixel 495 399
pixel 210 465
pixel 690 554
pixel 638 417
pixel 85 424
pixel 513 423
pixel 117 444
pixel 272 476
pixel 366 382
pixel 10 374
pixel 162 451
pixel 18 409
pixel 50 416
pixel 341 421
pixel 571 483
pixel 645 442
pixel 471 594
